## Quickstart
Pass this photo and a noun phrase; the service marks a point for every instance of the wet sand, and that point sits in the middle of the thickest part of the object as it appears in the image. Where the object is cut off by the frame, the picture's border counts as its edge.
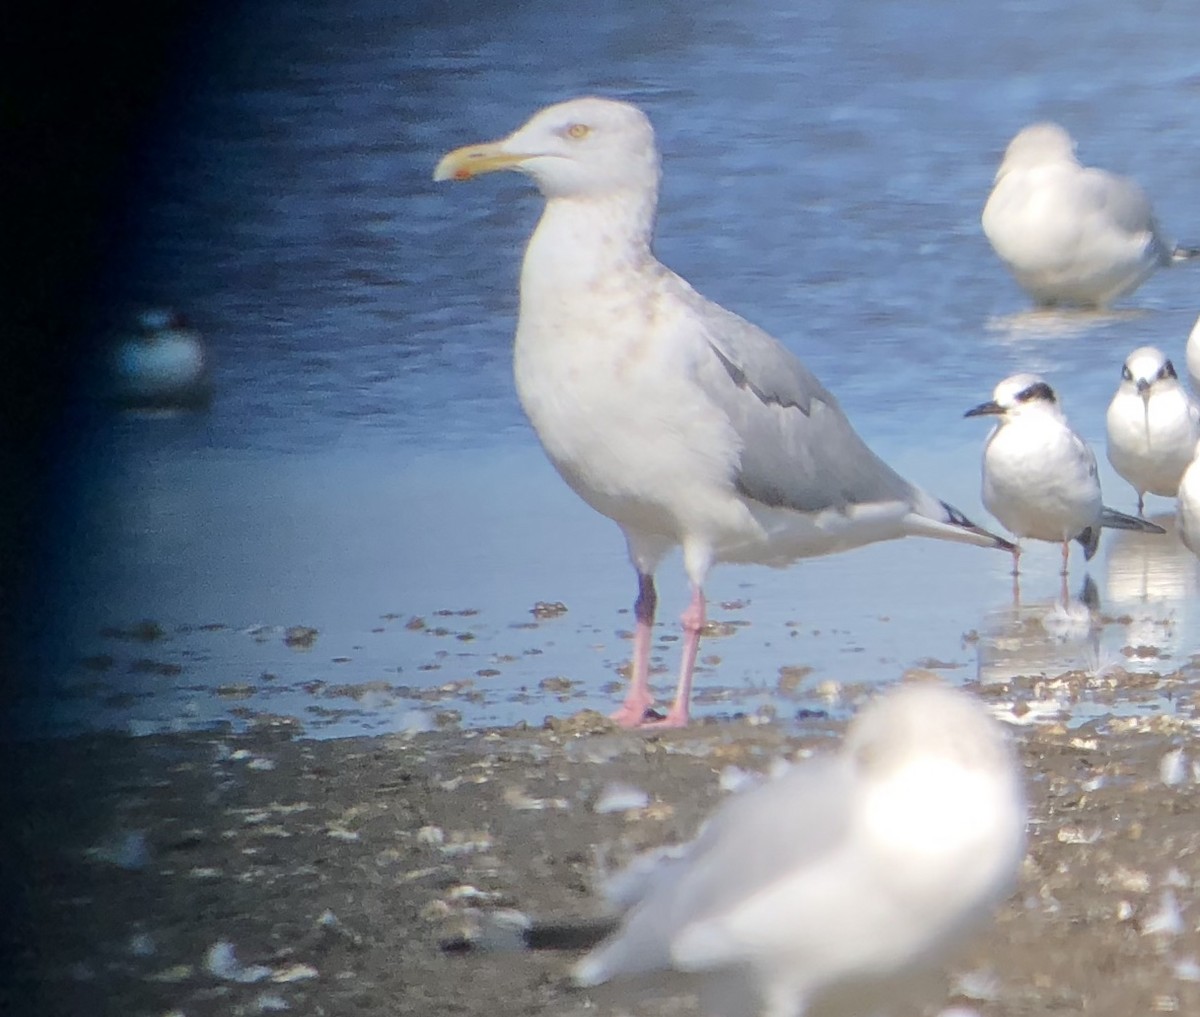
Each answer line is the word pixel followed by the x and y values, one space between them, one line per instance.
pixel 256 872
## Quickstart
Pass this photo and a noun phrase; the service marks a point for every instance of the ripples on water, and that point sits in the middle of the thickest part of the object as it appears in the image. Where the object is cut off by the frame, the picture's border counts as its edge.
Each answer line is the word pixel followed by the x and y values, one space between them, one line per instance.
pixel 825 166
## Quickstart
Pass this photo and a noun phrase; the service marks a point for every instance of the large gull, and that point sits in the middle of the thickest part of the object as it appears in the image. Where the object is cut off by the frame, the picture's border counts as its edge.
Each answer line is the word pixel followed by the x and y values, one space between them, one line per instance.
pixel 833 888
pixel 1071 234
pixel 674 417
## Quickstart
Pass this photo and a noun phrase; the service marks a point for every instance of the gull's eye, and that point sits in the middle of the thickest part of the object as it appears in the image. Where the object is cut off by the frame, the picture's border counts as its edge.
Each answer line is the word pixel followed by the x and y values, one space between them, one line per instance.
pixel 1126 374
pixel 578 131
pixel 1168 371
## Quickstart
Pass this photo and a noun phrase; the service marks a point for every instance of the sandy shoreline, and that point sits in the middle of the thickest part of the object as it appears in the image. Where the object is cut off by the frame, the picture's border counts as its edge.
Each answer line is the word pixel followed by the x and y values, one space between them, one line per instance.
pixel 251 873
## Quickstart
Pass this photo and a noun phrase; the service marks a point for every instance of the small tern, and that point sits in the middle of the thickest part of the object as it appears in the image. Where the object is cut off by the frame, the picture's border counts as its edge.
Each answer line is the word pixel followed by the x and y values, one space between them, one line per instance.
pixel 1039 476
pixel 682 422
pixel 835 886
pixel 1071 234
pixel 1193 357
pixel 1153 425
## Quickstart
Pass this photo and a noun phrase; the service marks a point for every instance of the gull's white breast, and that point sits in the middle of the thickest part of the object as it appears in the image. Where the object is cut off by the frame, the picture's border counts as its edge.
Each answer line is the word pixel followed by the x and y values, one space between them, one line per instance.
pixel 606 377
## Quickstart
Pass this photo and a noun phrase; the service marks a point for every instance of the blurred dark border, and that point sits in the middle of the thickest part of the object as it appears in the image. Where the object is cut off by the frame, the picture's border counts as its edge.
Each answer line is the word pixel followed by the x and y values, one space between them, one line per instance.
pixel 86 87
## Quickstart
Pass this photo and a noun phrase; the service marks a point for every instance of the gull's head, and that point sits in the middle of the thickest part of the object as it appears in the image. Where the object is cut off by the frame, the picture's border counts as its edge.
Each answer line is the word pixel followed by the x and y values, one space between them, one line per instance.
pixel 1037 145
pixel 152 320
pixel 1019 395
pixel 926 720
pixel 1148 370
pixel 578 148
pixel 939 785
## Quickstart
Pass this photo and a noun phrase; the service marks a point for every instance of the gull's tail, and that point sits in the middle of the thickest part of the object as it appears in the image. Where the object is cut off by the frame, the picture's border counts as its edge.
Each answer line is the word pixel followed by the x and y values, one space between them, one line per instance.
pixel 1115 520
pixel 1181 253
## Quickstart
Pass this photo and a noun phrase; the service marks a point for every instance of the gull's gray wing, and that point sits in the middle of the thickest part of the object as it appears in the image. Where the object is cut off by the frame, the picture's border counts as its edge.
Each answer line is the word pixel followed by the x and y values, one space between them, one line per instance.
pixel 1122 203
pixel 1120 198
pixel 799 450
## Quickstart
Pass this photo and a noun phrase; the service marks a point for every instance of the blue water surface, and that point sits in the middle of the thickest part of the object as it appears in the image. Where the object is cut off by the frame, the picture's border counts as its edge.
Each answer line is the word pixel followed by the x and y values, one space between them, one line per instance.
pixel 365 464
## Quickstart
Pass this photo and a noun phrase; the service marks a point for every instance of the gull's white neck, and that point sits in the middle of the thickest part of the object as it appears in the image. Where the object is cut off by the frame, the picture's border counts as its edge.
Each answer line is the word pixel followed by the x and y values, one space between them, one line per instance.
pixel 585 242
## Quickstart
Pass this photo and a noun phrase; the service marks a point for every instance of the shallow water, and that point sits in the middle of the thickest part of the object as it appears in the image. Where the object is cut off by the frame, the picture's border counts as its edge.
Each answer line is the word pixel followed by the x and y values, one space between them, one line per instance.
pixel 366 463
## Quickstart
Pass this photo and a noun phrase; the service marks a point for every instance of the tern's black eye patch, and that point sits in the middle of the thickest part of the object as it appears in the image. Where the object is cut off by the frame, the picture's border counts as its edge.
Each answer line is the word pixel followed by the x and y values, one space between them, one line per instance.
pixel 1037 391
pixel 1126 374
pixel 1167 370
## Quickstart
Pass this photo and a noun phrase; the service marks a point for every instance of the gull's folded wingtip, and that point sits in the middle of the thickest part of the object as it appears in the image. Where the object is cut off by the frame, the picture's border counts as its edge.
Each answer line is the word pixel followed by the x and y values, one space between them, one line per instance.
pixel 987 537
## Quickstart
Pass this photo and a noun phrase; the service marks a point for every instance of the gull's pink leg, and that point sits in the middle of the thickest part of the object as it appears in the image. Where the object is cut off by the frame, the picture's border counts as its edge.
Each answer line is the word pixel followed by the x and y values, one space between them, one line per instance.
pixel 1016 574
pixel 1066 555
pixel 638 700
pixel 693 624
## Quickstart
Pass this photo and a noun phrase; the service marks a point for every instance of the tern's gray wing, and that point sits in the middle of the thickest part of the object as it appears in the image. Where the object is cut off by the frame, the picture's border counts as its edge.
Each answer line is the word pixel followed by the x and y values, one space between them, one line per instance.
pixel 799 450
pixel 758 837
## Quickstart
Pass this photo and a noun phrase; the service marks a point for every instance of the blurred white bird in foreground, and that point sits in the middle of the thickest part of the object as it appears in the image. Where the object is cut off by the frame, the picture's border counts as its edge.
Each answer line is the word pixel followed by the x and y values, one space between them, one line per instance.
pixel 672 416
pixel 1187 510
pixel 832 888
pixel 1039 476
pixel 1153 425
pixel 1071 234
pixel 162 366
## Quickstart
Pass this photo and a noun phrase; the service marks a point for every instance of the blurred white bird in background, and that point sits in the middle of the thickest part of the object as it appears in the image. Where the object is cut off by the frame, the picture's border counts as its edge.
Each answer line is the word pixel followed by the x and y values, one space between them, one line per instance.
pixel 162 365
pixel 1071 234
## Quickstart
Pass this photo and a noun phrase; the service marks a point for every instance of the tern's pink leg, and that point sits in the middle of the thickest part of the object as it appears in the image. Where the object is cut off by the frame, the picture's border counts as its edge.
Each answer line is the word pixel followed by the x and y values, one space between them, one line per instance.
pixel 638 700
pixel 693 624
